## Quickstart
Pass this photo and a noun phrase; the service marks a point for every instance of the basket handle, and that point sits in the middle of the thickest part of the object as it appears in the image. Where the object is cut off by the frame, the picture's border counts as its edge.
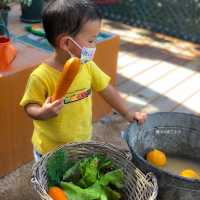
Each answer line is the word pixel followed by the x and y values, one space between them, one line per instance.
pixel 151 178
pixel 125 153
pixel 40 190
pixel 35 183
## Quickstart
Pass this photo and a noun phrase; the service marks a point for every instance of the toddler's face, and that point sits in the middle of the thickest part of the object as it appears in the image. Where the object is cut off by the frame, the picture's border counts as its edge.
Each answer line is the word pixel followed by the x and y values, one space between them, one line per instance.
pixel 86 37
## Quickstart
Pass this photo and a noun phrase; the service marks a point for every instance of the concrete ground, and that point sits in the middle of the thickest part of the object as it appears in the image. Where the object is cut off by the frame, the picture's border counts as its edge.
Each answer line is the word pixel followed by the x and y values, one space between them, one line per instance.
pixel 17 185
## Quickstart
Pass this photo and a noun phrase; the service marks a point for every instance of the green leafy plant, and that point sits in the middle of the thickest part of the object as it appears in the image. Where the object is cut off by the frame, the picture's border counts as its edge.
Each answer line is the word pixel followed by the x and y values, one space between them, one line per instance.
pixel 100 190
pixel 5 3
pixel 56 166
pixel 90 178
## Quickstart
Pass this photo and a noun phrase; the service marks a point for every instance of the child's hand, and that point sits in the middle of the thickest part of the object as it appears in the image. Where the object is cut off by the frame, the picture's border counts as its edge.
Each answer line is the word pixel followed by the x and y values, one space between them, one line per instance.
pixel 140 117
pixel 51 109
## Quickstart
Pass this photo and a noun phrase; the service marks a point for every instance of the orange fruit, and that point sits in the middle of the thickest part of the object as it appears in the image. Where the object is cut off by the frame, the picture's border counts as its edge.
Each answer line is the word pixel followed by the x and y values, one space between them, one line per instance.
pixel 157 158
pixel 190 173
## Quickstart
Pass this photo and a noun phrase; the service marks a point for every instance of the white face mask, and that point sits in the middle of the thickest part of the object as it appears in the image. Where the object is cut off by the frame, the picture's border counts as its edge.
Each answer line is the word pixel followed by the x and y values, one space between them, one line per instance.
pixel 87 54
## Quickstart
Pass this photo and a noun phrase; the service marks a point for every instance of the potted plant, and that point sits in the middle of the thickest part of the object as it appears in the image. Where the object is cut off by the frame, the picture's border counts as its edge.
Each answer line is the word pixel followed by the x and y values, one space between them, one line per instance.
pixel 4 10
pixel 31 11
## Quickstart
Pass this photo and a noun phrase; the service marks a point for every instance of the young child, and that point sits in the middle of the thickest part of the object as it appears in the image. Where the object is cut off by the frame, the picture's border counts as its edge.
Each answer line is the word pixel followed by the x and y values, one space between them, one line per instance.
pixel 71 27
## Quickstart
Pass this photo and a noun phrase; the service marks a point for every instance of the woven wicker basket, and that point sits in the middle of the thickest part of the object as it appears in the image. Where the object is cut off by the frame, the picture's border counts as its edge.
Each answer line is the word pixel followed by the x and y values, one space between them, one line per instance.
pixel 137 185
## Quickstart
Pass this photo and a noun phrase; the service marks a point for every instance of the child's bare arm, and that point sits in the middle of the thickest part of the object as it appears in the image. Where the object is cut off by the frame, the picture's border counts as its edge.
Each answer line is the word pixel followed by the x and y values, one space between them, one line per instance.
pixel 47 110
pixel 111 95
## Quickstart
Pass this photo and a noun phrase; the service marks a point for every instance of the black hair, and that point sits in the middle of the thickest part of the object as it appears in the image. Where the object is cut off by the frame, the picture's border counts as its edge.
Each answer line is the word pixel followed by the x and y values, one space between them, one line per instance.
pixel 67 16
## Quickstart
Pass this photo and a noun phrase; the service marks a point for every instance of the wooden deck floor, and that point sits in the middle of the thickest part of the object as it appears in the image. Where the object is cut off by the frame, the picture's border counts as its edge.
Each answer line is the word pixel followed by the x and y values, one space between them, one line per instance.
pixel 155 73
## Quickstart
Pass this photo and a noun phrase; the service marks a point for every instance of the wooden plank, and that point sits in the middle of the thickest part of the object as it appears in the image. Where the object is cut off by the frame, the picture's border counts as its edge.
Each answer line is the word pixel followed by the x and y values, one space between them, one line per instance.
pixel 191 105
pixel 135 103
pixel 132 54
pixel 125 60
pixel 142 98
pixel 169 100
pixel 106 59
pixel 142 80
pixel 6 147
pixel 121 54
pixel 148 57
pixel 170 81
pixel 134 69
pixel 22 127
pixel 135 51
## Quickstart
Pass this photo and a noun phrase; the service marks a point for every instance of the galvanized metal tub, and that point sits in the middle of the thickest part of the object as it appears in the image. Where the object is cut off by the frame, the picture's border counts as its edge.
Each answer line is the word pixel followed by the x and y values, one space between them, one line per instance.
pixel 177 134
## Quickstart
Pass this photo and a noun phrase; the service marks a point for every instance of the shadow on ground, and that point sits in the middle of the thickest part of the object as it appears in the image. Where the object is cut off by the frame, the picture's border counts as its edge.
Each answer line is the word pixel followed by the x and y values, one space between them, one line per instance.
pixel 17 185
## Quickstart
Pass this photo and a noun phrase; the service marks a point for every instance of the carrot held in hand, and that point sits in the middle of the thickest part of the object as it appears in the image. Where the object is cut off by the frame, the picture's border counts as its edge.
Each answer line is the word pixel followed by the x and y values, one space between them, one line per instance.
pixel 71 69
pixel 57 194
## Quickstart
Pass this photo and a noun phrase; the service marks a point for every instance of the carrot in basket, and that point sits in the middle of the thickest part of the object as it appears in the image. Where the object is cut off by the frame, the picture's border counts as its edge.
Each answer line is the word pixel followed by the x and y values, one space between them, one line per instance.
pixel 57 194
pixel 71 69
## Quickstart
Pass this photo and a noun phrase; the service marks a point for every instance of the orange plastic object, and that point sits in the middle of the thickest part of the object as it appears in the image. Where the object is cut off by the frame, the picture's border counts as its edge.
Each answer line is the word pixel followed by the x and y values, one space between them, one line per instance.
pixel 71 69
pixel 7 53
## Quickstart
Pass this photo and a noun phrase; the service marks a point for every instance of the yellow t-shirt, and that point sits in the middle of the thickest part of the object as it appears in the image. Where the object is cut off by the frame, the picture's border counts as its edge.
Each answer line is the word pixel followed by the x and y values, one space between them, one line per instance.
pixel 74 122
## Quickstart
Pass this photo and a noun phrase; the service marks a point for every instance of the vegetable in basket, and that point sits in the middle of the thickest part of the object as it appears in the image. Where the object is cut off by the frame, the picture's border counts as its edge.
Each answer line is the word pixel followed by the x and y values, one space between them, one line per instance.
pixel 88 170
pixel 57 194
pixel 89 178
pixel 99 190
pixel 56 166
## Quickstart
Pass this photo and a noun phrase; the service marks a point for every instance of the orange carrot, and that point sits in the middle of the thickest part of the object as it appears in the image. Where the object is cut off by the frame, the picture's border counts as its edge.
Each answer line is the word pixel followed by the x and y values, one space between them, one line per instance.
pixel 71 69
pixel 57 194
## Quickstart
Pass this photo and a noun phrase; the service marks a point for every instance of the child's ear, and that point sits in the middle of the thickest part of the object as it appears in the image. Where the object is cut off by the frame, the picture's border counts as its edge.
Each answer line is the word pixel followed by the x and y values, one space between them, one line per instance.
pixel 63 42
